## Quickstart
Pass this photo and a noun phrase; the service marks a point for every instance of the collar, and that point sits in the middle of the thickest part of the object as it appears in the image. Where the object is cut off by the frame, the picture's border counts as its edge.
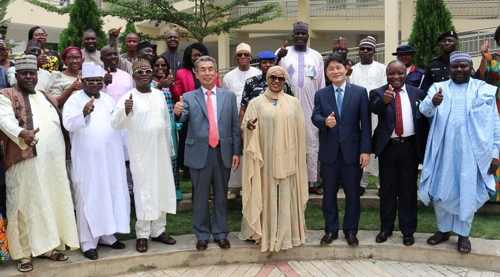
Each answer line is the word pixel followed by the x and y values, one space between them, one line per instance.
pixel 342 87
pixel 213 90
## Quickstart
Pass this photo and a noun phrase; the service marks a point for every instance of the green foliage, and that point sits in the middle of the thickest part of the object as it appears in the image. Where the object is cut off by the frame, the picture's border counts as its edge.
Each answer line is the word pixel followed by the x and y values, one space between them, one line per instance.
pixel 129 28
pixel 207 18
pixel 432 18
pixel 4 23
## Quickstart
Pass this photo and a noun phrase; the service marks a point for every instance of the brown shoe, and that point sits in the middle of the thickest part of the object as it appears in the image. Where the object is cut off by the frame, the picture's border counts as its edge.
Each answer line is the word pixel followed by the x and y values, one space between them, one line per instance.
pixel 201 245
pixel 352 240
pixel 141 245
pixel 315 190
pixel 223 243
pixel 328 238
pixel 164 238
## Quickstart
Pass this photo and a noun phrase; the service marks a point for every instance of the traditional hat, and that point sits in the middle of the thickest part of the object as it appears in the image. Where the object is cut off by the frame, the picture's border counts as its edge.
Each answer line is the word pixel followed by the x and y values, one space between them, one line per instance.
pixel 140 63
pixel 90 69
pixel 459 57
pixel 26 62
pixel 300 26
pixel 368 40
pixel 266 55
pixel 340 42
pixel 403 49
pixel 243 47
pixel 448 34
pixel 144 44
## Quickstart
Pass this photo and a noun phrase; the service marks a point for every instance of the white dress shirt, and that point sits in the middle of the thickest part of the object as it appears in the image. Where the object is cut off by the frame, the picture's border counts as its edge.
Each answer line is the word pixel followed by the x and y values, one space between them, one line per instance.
pixel 408 128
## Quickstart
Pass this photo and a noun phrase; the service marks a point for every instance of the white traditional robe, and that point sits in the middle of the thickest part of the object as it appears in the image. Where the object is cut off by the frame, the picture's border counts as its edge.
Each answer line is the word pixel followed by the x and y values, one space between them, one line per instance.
pixel 463 139
pixel 150 147
pixel 98 168
pixel 39 205
pixel 306 72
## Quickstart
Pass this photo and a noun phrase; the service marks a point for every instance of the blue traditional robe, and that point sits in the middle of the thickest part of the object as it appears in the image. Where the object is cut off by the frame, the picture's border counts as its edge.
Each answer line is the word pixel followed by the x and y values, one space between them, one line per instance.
pixel 463 138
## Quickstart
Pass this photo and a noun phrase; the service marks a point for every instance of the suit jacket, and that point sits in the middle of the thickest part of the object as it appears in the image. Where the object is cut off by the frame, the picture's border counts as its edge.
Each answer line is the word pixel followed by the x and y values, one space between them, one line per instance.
pixel 195 109
pixel 352 134
pixel 184 82
pixel 387 119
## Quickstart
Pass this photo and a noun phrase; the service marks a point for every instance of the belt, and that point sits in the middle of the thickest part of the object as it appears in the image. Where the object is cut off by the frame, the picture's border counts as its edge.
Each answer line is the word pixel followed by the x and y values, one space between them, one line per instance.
pixel 402 140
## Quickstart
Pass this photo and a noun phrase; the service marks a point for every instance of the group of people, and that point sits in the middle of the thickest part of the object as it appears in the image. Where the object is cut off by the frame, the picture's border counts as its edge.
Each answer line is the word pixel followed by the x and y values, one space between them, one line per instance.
pixel 110 125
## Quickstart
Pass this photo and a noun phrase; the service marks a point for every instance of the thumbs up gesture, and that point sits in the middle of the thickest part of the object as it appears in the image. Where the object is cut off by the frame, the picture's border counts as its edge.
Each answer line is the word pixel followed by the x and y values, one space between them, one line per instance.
pixel 330 120
pixel 89 107
pixel 163 83
pixel 251 124
pixel 387 98
pixel 179 106
pixel 108 78
pixel 283 51
pixel 42 59
pixel 29 136
pixel 170 78
pixel 129 104
pixel 77 84
pixel 485 49
pixel 438 98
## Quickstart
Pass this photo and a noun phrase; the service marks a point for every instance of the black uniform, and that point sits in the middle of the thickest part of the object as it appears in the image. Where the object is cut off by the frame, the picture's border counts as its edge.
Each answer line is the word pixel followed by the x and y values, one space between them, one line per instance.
pixel 437 71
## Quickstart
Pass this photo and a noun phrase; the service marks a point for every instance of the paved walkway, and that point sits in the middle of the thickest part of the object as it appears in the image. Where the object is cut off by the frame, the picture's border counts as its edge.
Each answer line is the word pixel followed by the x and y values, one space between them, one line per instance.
pixel 330 268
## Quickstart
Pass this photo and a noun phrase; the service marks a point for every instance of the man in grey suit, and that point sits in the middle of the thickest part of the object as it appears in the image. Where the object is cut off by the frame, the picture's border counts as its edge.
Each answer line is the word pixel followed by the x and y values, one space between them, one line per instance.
pixel 213 146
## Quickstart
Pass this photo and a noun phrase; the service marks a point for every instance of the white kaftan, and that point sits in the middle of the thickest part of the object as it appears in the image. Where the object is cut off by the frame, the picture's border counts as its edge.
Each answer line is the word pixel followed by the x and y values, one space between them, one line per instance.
pixel 39 205
pixel 150 147
pixel 98 168
pixel 306 72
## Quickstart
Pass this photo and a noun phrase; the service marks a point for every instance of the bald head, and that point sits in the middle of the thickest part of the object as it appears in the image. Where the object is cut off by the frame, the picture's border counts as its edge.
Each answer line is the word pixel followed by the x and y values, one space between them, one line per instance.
pixel 109 57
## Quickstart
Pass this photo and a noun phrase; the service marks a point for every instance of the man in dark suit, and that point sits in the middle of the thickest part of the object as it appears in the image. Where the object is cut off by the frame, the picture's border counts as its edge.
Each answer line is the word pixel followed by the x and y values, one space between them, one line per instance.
pixel 213 146
pixel 342 114
pixel 399 143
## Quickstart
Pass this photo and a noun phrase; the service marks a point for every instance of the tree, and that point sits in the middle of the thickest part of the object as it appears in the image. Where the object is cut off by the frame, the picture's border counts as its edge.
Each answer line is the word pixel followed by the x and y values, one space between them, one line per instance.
pixel 129 28
pixel 83 15
pixel 4 23
pixel 206 19
pixel 432 18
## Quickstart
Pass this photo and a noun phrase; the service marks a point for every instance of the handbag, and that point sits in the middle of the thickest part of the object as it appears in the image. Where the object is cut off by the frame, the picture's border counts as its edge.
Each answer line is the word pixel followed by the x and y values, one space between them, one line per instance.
pixel 4 246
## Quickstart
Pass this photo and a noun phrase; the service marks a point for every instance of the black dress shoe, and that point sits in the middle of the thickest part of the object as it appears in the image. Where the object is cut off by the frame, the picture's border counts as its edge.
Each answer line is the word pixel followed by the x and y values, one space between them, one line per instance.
pixel 382 236
pixel 201 245
pixel 328 238
pixel 408 240
pixel 352 240
pixel 117 245
pixel 361 191
pixel 223 243
pixel 91 254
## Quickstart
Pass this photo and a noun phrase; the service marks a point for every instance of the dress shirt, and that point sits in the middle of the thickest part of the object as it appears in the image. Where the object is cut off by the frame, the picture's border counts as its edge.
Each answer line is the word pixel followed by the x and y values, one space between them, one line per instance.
pixel 408 128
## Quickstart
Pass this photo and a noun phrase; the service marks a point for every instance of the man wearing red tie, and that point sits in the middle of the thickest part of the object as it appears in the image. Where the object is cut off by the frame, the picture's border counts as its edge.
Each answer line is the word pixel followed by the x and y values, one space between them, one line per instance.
pixel 399 143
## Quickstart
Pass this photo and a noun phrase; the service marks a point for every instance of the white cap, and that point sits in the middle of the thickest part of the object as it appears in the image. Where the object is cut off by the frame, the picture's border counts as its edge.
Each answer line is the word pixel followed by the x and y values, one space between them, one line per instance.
pixel 91 70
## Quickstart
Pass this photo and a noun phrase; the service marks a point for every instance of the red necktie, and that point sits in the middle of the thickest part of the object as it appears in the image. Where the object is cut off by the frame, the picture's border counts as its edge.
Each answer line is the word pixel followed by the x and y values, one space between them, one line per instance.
pixel 213 138
pixel 399 114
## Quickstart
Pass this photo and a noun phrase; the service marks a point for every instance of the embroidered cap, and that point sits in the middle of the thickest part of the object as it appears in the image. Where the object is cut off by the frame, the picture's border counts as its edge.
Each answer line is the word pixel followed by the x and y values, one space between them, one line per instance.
pixel 91 70
pixel 140 63
pixel 460 57
pixel 368 40
pixel 243 47
pixel 340 42
pixel 299 25
pixel 26 62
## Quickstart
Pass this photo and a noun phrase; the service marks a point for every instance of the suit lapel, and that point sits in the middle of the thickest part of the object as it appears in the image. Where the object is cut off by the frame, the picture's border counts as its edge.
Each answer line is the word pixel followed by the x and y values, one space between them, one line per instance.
pixel 200 97
pixel 220 101
pixel 333 102
pixel 347 98
pixel 413 100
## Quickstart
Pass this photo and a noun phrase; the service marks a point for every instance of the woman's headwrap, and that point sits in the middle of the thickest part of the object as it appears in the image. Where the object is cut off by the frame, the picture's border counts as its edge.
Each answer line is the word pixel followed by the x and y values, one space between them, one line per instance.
pixel 69 49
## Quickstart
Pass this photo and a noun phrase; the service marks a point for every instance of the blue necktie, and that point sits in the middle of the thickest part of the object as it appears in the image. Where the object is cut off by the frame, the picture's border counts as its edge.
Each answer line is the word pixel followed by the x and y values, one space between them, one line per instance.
pixel 340 99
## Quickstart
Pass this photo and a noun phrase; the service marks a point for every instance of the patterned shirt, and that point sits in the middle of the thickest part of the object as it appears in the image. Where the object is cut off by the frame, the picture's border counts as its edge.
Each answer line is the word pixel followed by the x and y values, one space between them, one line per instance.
pixel 256 86
pixel 131 60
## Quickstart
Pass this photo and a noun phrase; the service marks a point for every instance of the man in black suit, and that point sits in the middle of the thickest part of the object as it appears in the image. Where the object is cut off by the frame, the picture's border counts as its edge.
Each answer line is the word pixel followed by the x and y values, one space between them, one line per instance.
pixel 342 114
pixel 399 143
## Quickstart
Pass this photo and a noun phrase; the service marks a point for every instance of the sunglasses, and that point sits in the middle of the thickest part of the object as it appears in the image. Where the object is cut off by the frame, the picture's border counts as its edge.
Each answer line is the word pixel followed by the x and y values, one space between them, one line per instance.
pixel 140 71
pixel 94 83
pixel 365 49
pixel 280 79
pixel 239 55
pixel 160 65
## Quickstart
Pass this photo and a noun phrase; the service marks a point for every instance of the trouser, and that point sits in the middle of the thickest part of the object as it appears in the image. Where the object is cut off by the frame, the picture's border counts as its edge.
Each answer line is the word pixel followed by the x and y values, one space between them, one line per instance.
pixel 146 228
pixel 106 239
pixel 447 222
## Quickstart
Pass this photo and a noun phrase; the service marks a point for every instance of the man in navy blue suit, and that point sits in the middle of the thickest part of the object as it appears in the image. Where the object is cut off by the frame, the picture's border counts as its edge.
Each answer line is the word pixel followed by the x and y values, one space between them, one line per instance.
pixel 399 143
pixel 342 114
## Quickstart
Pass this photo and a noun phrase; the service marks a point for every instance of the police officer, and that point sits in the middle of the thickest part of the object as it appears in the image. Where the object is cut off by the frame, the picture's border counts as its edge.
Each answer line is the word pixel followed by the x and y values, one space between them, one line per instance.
pixel 438 69
pixel 414 76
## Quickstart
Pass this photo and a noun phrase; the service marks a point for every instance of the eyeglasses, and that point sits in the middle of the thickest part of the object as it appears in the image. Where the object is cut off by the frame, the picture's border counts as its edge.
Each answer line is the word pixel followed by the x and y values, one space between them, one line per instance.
pixel 141 71
pixel 74 58
pixel 3 49
pixel 43 35
pixel 196 55
pixel 94 83
pixel 280 79
pixel 239 55
pixel 160 65
pixel 365 49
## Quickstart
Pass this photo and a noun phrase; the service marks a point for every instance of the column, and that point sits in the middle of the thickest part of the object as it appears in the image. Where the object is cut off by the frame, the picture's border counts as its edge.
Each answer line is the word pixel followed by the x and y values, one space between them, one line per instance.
pixel 391 26
pixel 223 51
pixel 407 16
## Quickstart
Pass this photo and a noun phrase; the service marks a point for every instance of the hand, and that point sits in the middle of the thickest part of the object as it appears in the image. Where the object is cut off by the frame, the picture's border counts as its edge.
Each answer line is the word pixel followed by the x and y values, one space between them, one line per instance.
pixel 29 136
pixel 283 51
pixel 330 120
pixel 108 78
pixel 493 166
pixel 236 162
pixel 388 95
pixel 170 78
pixel 42 59
pixel 113 32
pixel 77 84
pixel 438 98
pixel 485 49
pixel 251 124
pixel 179 106
pixel 349 69
pixel 89 107
pixel 164 82
pixel 364 160
pixel 129 104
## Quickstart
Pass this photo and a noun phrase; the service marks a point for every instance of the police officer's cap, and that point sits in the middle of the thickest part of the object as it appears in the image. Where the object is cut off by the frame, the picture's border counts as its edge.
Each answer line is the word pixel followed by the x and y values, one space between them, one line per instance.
pixel 448 34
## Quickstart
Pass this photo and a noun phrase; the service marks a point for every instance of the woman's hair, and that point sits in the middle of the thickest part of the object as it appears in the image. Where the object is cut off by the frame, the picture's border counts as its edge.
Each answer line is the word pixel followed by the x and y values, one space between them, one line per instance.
pixel 155 59
pixel 32 30
pixel 186 59
pixel 497 35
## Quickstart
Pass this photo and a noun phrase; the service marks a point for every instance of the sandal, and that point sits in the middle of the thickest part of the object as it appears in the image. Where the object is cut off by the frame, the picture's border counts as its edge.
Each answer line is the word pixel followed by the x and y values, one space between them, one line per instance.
pixel 164 238
pixel 24 265
pixel 464 245
pixel 438 237
pixel 141 245
pixel 54 256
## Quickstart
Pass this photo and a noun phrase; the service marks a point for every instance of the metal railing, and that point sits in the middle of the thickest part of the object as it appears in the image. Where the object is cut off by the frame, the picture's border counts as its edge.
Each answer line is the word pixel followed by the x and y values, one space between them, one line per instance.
pixel 466 9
